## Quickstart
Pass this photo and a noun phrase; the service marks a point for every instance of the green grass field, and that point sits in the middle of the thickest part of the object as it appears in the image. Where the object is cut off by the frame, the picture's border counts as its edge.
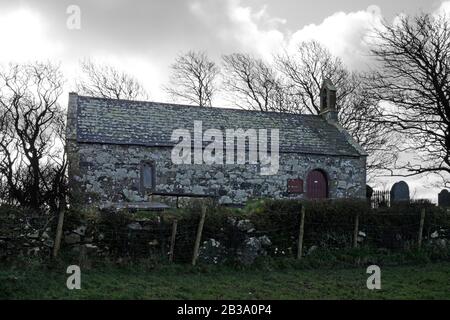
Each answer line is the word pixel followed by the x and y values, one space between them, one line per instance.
pixel 430 281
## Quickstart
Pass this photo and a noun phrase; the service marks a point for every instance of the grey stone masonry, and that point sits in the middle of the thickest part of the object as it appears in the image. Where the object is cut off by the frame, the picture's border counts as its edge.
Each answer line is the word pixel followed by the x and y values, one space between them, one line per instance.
pixel 108 140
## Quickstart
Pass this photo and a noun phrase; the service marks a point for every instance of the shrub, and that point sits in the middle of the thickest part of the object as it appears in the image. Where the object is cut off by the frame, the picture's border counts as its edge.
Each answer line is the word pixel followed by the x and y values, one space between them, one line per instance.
pixel 327 223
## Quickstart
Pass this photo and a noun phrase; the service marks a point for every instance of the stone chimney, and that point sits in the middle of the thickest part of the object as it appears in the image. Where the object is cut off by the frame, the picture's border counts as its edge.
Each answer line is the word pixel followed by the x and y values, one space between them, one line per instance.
pixel 328 101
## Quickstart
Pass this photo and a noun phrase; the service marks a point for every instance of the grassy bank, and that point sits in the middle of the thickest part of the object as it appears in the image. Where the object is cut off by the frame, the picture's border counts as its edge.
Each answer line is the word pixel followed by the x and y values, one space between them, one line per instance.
pixel 429 281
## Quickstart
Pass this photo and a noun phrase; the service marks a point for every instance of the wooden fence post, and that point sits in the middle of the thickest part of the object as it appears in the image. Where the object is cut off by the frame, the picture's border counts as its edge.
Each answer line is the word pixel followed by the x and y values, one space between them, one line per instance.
pixel 172 239
pixel 83 261
pixel 422 220
pixel 356 231
pixel 162 238
pixel 199 235
pixel 58 236
pixel 300 233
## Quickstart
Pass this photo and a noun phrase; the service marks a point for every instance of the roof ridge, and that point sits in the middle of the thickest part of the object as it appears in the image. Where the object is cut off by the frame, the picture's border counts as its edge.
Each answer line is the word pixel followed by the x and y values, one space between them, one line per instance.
pixel 199 107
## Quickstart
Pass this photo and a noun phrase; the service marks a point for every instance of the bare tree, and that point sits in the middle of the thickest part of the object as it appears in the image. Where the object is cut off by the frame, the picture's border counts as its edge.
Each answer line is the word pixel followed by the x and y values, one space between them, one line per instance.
pixel 193 79
pixel 306 70
pixel 254 84
pixel 308 67
pixel 105 81
pixel 414 83
pixel 32 161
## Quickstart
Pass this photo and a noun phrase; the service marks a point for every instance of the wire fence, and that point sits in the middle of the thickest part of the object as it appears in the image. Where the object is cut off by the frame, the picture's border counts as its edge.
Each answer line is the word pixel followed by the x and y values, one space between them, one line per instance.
pixel 288 234
pixel 228 238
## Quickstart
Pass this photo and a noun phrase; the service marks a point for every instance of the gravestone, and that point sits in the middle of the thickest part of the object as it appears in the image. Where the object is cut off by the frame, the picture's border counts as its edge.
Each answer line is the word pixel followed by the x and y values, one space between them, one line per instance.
pixel 444 198
pixel 399 192
pixel 369 192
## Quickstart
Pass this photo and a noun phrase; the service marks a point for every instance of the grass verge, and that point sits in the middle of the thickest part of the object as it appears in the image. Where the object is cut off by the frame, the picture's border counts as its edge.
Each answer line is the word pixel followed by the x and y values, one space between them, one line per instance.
pixel 427 281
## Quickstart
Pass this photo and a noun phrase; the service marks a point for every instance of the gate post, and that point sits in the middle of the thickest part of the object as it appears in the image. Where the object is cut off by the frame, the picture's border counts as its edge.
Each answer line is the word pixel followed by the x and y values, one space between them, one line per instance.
pixel 422 221
pixel 356 231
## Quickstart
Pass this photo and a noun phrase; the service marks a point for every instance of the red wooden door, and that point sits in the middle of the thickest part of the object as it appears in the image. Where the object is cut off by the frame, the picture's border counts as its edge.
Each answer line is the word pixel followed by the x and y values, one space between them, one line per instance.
pixel 316 185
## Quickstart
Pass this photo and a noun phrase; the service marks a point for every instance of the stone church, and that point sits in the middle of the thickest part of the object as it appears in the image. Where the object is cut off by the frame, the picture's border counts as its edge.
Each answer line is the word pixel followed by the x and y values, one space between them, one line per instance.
pixel 122 151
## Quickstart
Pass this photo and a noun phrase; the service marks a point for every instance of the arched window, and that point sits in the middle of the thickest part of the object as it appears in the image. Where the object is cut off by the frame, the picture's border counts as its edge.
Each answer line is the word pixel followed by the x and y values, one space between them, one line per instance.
pixel 317 185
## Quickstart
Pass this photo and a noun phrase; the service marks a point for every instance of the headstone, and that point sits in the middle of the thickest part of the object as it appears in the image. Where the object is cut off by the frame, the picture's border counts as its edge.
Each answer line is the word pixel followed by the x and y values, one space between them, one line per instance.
pixel 400 192
pixel 369 192
pixel 444 198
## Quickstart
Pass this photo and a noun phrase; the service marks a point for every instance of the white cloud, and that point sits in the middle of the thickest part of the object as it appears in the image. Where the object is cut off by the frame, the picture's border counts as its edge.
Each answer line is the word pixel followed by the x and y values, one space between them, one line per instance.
pixel 247 29
pixel 242 27
pixel 24 37
pixel 444 8
pixel 346 35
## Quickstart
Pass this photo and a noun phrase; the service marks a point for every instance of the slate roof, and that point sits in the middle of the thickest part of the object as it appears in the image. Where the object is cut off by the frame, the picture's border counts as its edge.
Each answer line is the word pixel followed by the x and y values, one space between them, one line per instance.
pixel 111 121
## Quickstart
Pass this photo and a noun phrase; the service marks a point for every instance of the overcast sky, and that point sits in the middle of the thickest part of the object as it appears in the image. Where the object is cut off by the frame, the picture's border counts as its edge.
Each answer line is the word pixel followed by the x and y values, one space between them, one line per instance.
pixel 144 36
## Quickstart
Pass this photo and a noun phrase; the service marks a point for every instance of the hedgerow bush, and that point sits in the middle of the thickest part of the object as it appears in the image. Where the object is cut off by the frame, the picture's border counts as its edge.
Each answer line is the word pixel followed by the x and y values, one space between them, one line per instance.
pixel 397 227
pixel 327 223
